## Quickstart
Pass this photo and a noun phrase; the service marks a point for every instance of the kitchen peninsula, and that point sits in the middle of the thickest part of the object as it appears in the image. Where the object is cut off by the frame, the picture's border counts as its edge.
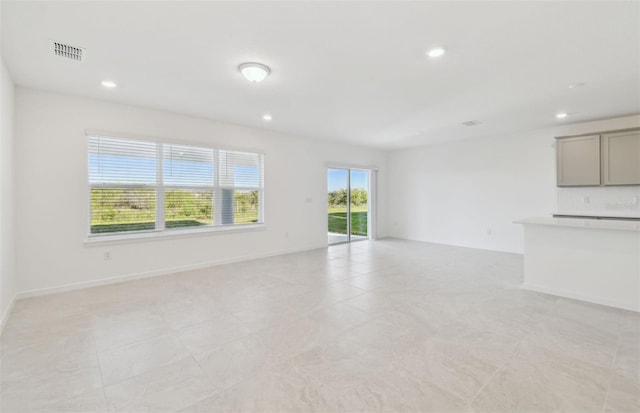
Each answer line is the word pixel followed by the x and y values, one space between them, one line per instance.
pixel 592 260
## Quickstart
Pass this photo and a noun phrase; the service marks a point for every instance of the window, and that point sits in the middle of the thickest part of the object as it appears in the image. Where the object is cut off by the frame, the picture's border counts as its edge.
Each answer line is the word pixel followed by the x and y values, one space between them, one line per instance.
pixel 138 185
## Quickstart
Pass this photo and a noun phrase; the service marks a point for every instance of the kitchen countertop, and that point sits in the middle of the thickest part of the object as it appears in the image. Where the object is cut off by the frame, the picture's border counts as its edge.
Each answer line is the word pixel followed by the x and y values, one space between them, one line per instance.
pixel 617 225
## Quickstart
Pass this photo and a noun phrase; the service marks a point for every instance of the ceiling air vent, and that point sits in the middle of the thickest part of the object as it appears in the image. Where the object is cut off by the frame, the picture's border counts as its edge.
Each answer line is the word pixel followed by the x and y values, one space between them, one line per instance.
pixel 472 123
pixel 67 51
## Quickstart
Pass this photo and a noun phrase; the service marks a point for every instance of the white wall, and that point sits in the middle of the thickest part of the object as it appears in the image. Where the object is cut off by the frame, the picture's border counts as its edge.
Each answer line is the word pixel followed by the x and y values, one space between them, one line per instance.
pixel 468 193
pixel 52 192
pixel 453 193
pixel 7 262
pixel 615 201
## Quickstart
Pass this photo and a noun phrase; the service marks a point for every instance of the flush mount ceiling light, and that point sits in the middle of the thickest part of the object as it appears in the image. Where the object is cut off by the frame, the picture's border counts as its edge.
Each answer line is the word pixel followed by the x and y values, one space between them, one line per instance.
pixel 436 52
pixel 267 117
pixel 561 115
pixel 254 72
pixel 109 84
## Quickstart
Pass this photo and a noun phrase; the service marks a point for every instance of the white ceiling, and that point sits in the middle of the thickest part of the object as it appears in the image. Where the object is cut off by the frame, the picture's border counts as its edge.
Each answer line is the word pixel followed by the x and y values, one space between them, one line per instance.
pixel 349 71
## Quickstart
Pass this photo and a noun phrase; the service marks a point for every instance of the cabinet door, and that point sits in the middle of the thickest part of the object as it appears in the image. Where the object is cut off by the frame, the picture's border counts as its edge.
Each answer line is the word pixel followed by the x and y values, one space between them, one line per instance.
pixel 621 158
pixel 578 161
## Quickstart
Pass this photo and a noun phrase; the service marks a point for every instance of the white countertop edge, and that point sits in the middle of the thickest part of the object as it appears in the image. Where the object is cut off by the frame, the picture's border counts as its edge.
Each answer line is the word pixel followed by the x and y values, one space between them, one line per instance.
pixel 587 214
pixel 633 226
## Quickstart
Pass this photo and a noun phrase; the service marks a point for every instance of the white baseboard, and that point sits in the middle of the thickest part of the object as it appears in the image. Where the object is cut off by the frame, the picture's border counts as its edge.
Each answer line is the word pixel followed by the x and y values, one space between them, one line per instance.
pixel 154 273
pixel 5 316
pixel 590 299
pixel 470 246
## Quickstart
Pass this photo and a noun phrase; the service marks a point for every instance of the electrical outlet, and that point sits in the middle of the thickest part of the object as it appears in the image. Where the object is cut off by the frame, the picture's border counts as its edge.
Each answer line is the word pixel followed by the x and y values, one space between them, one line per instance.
pixel 489 231
pixel 286 235
pixel 586 200
pixel 107 255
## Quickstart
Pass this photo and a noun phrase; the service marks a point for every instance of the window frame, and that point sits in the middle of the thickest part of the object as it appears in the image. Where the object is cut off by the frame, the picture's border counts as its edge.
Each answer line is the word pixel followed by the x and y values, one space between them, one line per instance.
pixel 160 230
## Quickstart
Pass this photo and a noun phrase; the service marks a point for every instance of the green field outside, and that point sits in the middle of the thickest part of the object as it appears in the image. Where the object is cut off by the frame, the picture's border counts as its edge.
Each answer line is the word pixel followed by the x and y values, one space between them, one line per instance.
pixel 124 210
pixel 338 219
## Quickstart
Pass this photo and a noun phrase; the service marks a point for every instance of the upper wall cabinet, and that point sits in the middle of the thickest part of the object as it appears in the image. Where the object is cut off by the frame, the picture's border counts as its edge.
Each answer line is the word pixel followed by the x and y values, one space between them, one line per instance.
pixel 578 161
pixel 621 158
pixel 607 158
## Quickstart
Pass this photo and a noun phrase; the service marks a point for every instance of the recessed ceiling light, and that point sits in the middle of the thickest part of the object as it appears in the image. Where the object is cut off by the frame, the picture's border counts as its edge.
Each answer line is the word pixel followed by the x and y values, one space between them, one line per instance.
pixel 254 72
pixel 267 117
pixel 561 115
pixel 109 84
pixel 435 52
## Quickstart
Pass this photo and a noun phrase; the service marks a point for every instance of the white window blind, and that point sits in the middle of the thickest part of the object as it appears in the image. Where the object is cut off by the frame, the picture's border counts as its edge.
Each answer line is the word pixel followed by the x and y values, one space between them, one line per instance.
pixel 188 166
pixel 123 178
pixel 240 186
pixel 188 182
pixel 140 185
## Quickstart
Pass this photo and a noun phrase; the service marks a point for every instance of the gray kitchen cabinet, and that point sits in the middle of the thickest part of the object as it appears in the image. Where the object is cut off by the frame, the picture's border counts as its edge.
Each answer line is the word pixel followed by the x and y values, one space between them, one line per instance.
pixel 578 161
pixel 621 158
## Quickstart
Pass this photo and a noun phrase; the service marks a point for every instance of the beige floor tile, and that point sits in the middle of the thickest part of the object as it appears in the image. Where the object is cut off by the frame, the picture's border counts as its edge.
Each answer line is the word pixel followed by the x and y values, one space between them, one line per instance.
pixel 206 336
pixel 74 352
pixel 111 296
pixel 627 360
pixel 165 389
pixel 233 362
pixel 364 282
pixel 271 390
pixel 623 395
pixel 195 312
pixel 372 303
pixel 335 386
pixel 601 318
pixel 321 297
pixel 373 326
pixel 581 339
pixel 92 402
pixel 46 377
pixel 340 363
pixel 262 318
pixel 317 328
pixel 290 340
pixel 394 333
pixel 450 364
pixel 38 311
pixel 137 358
pixel 400 392
pixel 70 329
pixel 495 348
pixel 117 331
pixel 538 379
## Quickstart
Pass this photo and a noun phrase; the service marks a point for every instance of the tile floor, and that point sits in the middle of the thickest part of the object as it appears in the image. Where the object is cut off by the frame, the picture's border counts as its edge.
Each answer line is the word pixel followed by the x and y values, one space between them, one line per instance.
pixel 335 238
pixel 373 326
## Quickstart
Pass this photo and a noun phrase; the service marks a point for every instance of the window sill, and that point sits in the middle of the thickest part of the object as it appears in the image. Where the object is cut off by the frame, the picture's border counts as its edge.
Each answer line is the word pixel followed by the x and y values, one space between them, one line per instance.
pixel 94 240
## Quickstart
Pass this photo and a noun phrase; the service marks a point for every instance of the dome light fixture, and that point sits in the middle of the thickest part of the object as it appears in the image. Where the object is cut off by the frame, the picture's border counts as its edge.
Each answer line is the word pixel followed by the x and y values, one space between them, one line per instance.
pixel 561 115
pixel 436 52
pixel 267 117
pixel 254 72
pixel 109 84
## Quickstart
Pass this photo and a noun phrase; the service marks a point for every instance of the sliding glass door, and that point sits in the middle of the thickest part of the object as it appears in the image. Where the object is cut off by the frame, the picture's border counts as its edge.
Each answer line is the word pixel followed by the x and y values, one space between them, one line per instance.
pixel 359 204
pixel 348 202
